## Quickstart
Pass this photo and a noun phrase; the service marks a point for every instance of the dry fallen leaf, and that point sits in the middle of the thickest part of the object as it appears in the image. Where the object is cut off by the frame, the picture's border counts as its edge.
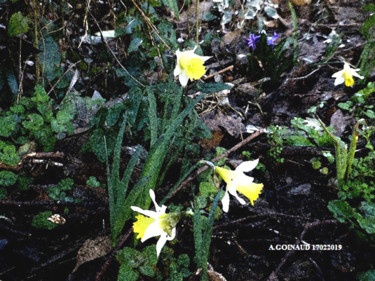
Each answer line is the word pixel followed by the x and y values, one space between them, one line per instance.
pixel 93 249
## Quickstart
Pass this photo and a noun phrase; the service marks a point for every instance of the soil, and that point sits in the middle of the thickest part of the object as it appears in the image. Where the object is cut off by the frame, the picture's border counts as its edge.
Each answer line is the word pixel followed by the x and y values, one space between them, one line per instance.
pixel 248 243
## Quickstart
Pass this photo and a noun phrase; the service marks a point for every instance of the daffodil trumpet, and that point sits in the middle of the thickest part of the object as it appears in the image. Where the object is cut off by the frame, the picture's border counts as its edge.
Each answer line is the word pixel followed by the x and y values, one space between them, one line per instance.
pixel 189 66
pixel 155 223
pixel 237 181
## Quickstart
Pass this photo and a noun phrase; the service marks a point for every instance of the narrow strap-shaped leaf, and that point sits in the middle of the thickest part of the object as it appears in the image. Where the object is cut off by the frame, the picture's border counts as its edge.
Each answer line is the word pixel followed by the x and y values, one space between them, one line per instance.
pixel 111 197
pixel 127 175
pixel 152 115
pixel 208 232
pixel 116 160
pixel 177 103
pixel 197 235
pixel 160 149
pixel 124 210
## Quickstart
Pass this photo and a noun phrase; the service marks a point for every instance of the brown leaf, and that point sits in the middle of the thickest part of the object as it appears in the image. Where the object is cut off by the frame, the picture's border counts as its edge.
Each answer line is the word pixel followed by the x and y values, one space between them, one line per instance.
pixel 93 249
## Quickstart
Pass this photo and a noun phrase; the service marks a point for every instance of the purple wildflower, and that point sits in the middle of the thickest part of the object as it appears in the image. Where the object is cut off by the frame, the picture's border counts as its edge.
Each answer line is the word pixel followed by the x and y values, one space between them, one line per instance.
pixel 252 40
pixel 271 39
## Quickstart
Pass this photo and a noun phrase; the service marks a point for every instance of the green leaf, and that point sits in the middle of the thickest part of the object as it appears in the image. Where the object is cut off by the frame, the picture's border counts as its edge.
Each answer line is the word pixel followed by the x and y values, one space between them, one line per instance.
pixel 93 182
pixel 40 221
pixel 40 95
pixel 50 59
pixel 297 141
pixel 12 82
pixel 66 184
pixel 8 155
pixel 370 113
pixel 147 270
pixel 134 44
pixel 368 275
pixel 8 126
pixel 152 115
pixel 369 7
pixel 7 178
pixel 172 4
pixel 207 188
pixel 367 25
pixel 183 260
pixel 212 87
pixel 129 257
pixel 18 24
pixel 341 210
pixel 3 193
pixel 150 255
pixel 34 122
pixel 271 12
pixel 114 114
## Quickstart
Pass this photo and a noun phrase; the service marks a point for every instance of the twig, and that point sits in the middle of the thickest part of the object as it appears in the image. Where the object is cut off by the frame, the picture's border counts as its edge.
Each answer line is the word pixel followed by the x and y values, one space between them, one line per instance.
pixel 219 72
pixel 225 154
pixel 33 155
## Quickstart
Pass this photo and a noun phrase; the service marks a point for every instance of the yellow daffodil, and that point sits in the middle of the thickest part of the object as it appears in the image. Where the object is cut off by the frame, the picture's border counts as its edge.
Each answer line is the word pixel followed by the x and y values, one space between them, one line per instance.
pixel 346 75
pixel 155 223
pixel 237 181
pixel 189 65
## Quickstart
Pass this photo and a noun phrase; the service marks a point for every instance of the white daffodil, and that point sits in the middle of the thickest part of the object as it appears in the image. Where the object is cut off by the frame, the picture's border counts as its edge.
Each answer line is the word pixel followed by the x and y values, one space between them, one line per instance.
pixel 237 181
pixel 189 65
pixel 156 223
pixel 346 75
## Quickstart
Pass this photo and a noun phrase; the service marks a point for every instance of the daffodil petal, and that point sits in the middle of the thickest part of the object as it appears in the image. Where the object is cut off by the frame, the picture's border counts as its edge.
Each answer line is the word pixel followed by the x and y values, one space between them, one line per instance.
pixel 160 244
pixel 251 191
pixel 177 70
pixel 339 80
pixel 239 199
pixel 183 78
pixel 148 213
pixel 357 75
pixel 158 209
pixel 242 179
pixel 152 231
pixel 225 202
pixel 247 166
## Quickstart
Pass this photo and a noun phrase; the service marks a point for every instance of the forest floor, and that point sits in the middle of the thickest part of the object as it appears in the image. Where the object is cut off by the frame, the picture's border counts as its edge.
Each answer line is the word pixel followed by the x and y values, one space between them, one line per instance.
pixel 248 242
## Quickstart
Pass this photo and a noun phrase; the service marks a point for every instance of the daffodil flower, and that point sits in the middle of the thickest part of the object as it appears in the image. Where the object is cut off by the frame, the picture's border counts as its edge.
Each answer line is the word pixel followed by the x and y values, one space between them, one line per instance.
pixel 155 223
pixel 237 181
pixel 346 75
pixel 189 66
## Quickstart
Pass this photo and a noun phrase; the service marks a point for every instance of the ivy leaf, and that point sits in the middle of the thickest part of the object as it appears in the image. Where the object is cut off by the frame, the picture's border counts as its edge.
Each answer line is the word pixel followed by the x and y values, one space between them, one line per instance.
pixel 51 58
pixel 134 44
pixel 8 126
pixel 18 24
pixel 34 122
pixel 12 82
pixel 7 178
pixel 172 4
pixel 8 155
pixel 341 210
